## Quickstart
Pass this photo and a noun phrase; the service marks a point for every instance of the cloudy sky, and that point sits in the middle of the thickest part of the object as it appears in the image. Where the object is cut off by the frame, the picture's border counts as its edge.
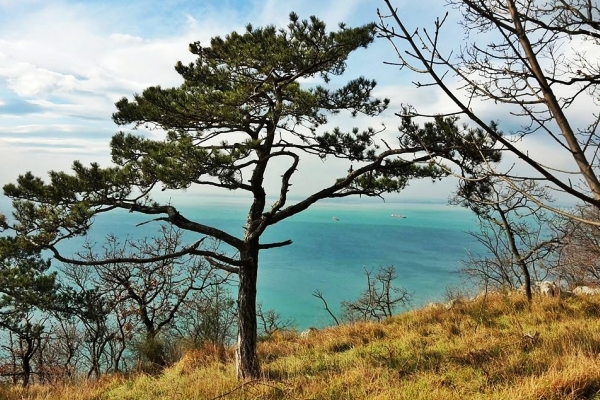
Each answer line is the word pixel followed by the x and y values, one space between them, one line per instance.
pixel 63 64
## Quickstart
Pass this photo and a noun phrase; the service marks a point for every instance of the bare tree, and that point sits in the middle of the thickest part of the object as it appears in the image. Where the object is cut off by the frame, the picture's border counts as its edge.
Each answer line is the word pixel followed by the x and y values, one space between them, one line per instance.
pixel 531 57
pixel 64 349
pixel 379 300
pixel 25 332
pixel 208 316
pixel 270 321
pixel 319 295
pixel 106 325
pixel 580 255
pixel 152 293
pixel 521 239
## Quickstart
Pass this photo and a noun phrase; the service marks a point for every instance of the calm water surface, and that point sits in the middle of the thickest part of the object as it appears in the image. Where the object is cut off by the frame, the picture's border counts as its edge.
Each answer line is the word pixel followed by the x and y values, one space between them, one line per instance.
pixel 332 245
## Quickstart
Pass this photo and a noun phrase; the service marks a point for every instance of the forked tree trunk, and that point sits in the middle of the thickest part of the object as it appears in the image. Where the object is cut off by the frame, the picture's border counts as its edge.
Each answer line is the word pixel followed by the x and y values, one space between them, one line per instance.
pixel 246 360
pixel 27 354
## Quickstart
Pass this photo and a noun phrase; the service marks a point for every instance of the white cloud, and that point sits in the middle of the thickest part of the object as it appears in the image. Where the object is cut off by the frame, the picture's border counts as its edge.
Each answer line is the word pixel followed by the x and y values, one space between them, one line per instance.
pixel 28 129
pixel 40 159
pixel 27 80
pixel 74 60
pixel 125 38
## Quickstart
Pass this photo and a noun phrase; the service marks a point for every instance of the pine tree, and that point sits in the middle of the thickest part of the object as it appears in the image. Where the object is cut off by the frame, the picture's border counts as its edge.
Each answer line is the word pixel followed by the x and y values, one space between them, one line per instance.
pixel 244 105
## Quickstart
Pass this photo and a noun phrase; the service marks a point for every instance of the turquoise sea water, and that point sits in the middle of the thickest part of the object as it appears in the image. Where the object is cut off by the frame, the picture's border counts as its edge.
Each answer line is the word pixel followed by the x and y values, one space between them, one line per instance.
pixel 330 254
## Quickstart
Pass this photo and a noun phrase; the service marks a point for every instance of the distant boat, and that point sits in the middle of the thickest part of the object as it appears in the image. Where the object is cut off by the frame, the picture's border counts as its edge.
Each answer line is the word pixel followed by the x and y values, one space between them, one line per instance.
pixel 398 216
pixel 335 218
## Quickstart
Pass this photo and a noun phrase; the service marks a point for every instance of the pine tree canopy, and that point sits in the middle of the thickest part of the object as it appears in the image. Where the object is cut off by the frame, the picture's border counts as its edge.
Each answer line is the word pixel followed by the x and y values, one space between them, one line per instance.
pixel 251 103
pixel 243 103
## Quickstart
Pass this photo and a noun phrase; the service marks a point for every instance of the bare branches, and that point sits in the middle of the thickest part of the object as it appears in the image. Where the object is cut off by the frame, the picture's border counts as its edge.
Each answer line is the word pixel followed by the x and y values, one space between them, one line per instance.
pixel 529 65
pixel 155 290
pixel 519 236
pixel 581 250
pixel 319 295
pixel 135 260
pixel 379 299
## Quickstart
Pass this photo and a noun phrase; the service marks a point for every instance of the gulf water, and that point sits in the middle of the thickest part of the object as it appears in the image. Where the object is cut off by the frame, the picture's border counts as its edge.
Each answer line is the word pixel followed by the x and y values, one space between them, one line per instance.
pixel 333 243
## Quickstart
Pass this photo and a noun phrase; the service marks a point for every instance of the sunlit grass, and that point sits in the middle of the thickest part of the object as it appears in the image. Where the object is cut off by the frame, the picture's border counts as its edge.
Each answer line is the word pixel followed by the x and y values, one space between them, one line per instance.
pixel 493 348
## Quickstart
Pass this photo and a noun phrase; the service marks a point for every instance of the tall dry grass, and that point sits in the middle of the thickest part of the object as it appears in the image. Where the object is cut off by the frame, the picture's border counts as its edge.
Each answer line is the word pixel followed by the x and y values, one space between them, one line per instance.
pixel 492 348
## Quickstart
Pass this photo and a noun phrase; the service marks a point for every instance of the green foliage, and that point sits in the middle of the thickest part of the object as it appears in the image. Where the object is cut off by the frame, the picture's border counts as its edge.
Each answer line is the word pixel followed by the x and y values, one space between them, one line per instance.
pixel 3 224
pixel 25 282
pixel 242 107
pixel 237 79
pixel 467 147
pixel 246 83
pixel 63 208
pixel 27 293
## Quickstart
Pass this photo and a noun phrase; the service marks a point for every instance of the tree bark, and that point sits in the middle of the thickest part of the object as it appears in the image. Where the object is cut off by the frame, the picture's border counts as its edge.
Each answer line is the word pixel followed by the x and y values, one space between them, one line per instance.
pixel 26 359
pixel 515 251
pixel 552 103
pixel 247 364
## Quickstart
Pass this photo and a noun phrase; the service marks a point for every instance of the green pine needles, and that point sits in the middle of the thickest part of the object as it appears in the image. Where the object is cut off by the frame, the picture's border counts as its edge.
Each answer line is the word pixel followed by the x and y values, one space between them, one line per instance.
pixel 244 106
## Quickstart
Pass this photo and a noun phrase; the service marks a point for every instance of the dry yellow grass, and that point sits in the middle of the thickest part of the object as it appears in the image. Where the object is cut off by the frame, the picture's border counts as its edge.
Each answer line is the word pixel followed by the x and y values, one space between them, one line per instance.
pixel 495 348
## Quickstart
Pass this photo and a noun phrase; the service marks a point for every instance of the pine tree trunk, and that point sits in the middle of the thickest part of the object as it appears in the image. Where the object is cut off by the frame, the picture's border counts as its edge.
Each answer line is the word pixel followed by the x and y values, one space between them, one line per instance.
pixel 247 364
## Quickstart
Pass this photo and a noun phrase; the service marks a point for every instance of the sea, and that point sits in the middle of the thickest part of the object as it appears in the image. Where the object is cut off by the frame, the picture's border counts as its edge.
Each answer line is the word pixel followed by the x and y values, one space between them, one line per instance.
pixel 333 243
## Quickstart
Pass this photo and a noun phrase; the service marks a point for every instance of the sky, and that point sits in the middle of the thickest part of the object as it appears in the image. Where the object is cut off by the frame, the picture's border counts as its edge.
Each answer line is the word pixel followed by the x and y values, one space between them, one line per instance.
pixel 63 65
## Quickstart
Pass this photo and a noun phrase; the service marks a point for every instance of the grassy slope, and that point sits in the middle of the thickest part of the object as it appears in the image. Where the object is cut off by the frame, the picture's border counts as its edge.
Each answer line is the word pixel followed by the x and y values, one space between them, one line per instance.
pixel 477 350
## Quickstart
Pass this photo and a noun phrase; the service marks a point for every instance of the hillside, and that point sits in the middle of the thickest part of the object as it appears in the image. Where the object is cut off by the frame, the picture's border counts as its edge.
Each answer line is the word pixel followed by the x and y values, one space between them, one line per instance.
pixel 493 348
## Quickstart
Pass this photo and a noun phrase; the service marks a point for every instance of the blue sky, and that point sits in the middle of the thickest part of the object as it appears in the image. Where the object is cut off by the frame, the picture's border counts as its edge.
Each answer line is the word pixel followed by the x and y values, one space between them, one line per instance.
pixel 63 64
